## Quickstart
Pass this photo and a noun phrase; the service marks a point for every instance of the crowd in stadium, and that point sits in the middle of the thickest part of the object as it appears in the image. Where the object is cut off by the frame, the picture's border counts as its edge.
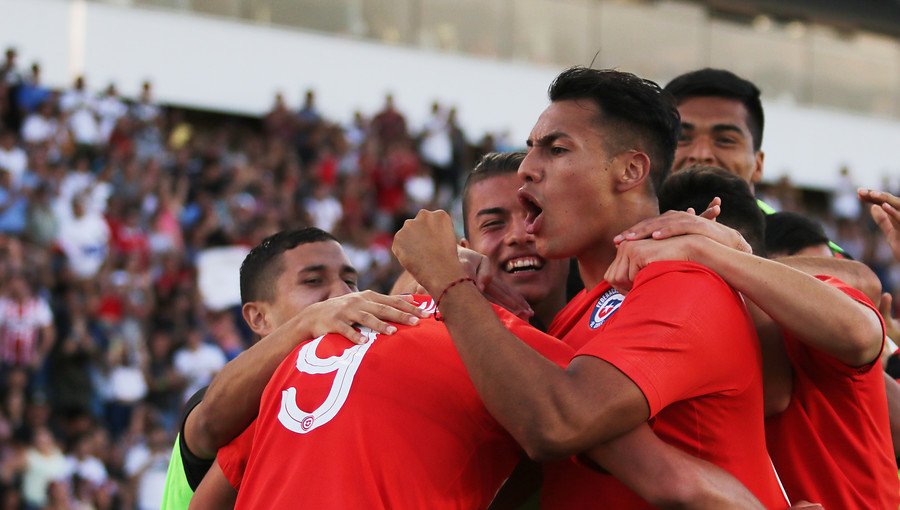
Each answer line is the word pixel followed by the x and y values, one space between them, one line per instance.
pixel 106 204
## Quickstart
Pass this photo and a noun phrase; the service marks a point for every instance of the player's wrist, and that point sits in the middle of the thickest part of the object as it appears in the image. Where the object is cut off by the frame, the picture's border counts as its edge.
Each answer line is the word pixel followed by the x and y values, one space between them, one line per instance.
pixel 436 283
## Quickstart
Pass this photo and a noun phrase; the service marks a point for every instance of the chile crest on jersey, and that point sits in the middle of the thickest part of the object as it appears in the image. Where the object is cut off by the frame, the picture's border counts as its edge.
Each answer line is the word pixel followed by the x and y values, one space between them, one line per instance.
pixel 607 305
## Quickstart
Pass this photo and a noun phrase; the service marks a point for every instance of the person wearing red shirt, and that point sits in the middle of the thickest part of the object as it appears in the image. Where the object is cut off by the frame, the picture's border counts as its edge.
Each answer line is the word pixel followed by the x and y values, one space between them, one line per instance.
pixel 295 285
pixel 596 156
pixel 827 426
pixel 845 444
pixel 396 415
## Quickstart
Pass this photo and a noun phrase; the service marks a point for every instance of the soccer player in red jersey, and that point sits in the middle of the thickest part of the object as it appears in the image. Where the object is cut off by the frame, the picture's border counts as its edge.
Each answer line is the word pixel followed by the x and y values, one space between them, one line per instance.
pixel 295 285
pixel 827 424
pixel 396 417
pixel 494 225
pixel 679 349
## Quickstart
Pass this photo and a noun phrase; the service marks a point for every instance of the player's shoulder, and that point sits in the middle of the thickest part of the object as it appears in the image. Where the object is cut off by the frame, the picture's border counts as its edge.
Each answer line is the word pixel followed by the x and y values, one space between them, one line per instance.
pixel 674 272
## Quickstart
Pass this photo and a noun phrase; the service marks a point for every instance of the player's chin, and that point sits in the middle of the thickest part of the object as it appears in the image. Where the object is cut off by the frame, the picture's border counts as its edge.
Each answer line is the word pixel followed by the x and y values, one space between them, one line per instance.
pixel 531 286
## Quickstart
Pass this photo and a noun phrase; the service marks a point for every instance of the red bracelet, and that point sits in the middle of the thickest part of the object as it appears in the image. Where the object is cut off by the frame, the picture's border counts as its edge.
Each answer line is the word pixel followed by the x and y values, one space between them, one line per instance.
pixel 452 284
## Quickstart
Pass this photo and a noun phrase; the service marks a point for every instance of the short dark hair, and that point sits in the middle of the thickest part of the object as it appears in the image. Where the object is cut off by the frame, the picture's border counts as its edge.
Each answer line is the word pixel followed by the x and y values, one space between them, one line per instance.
pixel 788 232
pixel 725 84
pixel 263 265
pixel 641 115
pixel 697 186
pixel 490 165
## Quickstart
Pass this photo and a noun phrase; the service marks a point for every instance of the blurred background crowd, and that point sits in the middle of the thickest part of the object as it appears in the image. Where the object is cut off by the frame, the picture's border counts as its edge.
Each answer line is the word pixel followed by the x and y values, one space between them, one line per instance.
pixel 108 205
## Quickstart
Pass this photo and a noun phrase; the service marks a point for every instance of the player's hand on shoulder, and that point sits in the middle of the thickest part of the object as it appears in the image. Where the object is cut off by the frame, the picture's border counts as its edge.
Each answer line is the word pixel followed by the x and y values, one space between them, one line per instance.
pixel 632 256
pixel 367 308
pixel 678 223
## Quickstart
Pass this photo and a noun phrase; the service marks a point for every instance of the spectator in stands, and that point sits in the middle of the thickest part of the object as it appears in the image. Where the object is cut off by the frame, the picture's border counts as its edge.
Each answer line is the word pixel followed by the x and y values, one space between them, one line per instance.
pixel 13 206
pixel 26 326
pixel 10 79
pixel 845 206
pixel 9 73
pixel 31 92
pixel 83 238
pixel 83 462
pixel 388 125
pixel 145 110
pixel 110 108
pixel 13 158
pixel 77 97
pixel 40 464
pixel 307 129
pixel 197 362
pixel 436 148
pixel 42 127
pixel 71 385
pixel 79 107
pixel 42 224
pixel 280 122
pixel 146 465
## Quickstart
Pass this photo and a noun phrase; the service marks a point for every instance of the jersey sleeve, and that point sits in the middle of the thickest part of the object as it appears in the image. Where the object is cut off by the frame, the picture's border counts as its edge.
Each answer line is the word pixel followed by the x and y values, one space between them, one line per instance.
pixel 681 332
pixel 232 458
pixel 548 346
pixel 195 468
pixel 829 361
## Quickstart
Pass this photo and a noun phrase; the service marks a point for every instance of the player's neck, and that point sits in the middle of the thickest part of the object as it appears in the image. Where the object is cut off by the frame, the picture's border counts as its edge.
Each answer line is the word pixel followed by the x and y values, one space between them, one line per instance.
pixel 594 262
pixel 546 309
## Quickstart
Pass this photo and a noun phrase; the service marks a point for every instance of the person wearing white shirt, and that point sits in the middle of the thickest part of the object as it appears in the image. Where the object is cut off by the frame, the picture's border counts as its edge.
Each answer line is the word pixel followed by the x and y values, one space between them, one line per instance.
pixel 12 157
pixel 84 239
pixel 198 362
pixel 110 108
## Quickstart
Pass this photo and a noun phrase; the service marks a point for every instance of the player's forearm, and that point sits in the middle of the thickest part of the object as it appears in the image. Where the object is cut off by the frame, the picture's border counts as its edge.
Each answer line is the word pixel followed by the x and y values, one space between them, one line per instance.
pixel 669 478
pixel 405 284
pixel 819 314
pixel 214 492
pixel 232 400
pixel 533 398
pixel 853 273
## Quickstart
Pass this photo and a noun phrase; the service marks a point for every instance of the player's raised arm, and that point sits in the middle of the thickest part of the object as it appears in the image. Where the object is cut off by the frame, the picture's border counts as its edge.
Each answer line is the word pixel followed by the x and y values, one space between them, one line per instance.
pixel 854 336
pixel 570 410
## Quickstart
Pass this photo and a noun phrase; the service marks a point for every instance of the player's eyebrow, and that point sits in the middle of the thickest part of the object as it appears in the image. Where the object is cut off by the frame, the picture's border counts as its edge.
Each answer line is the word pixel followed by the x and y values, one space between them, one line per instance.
pixel 489 211
pixel 727 128
pixel 546 139
pixel 717 128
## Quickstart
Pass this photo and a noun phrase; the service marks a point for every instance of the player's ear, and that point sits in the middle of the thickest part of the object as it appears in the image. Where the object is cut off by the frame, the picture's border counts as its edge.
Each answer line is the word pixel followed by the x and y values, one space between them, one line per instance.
pixel 758 160
pixel 634 171
pixel 255 316
pixel 464 242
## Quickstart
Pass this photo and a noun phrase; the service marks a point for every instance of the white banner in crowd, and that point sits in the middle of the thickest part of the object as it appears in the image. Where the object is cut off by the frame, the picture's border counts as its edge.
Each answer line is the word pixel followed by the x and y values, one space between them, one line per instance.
pixel 219 276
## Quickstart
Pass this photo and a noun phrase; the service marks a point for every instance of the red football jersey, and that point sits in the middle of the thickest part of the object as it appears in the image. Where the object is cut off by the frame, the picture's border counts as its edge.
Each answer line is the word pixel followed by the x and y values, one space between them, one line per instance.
pixel 833 443
pixel 685 338
pixel 232 458
pixel 393 423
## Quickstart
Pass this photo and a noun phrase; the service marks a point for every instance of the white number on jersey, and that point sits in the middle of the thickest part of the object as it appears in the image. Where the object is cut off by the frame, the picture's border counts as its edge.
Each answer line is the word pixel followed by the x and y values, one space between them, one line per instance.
pixel 345 366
